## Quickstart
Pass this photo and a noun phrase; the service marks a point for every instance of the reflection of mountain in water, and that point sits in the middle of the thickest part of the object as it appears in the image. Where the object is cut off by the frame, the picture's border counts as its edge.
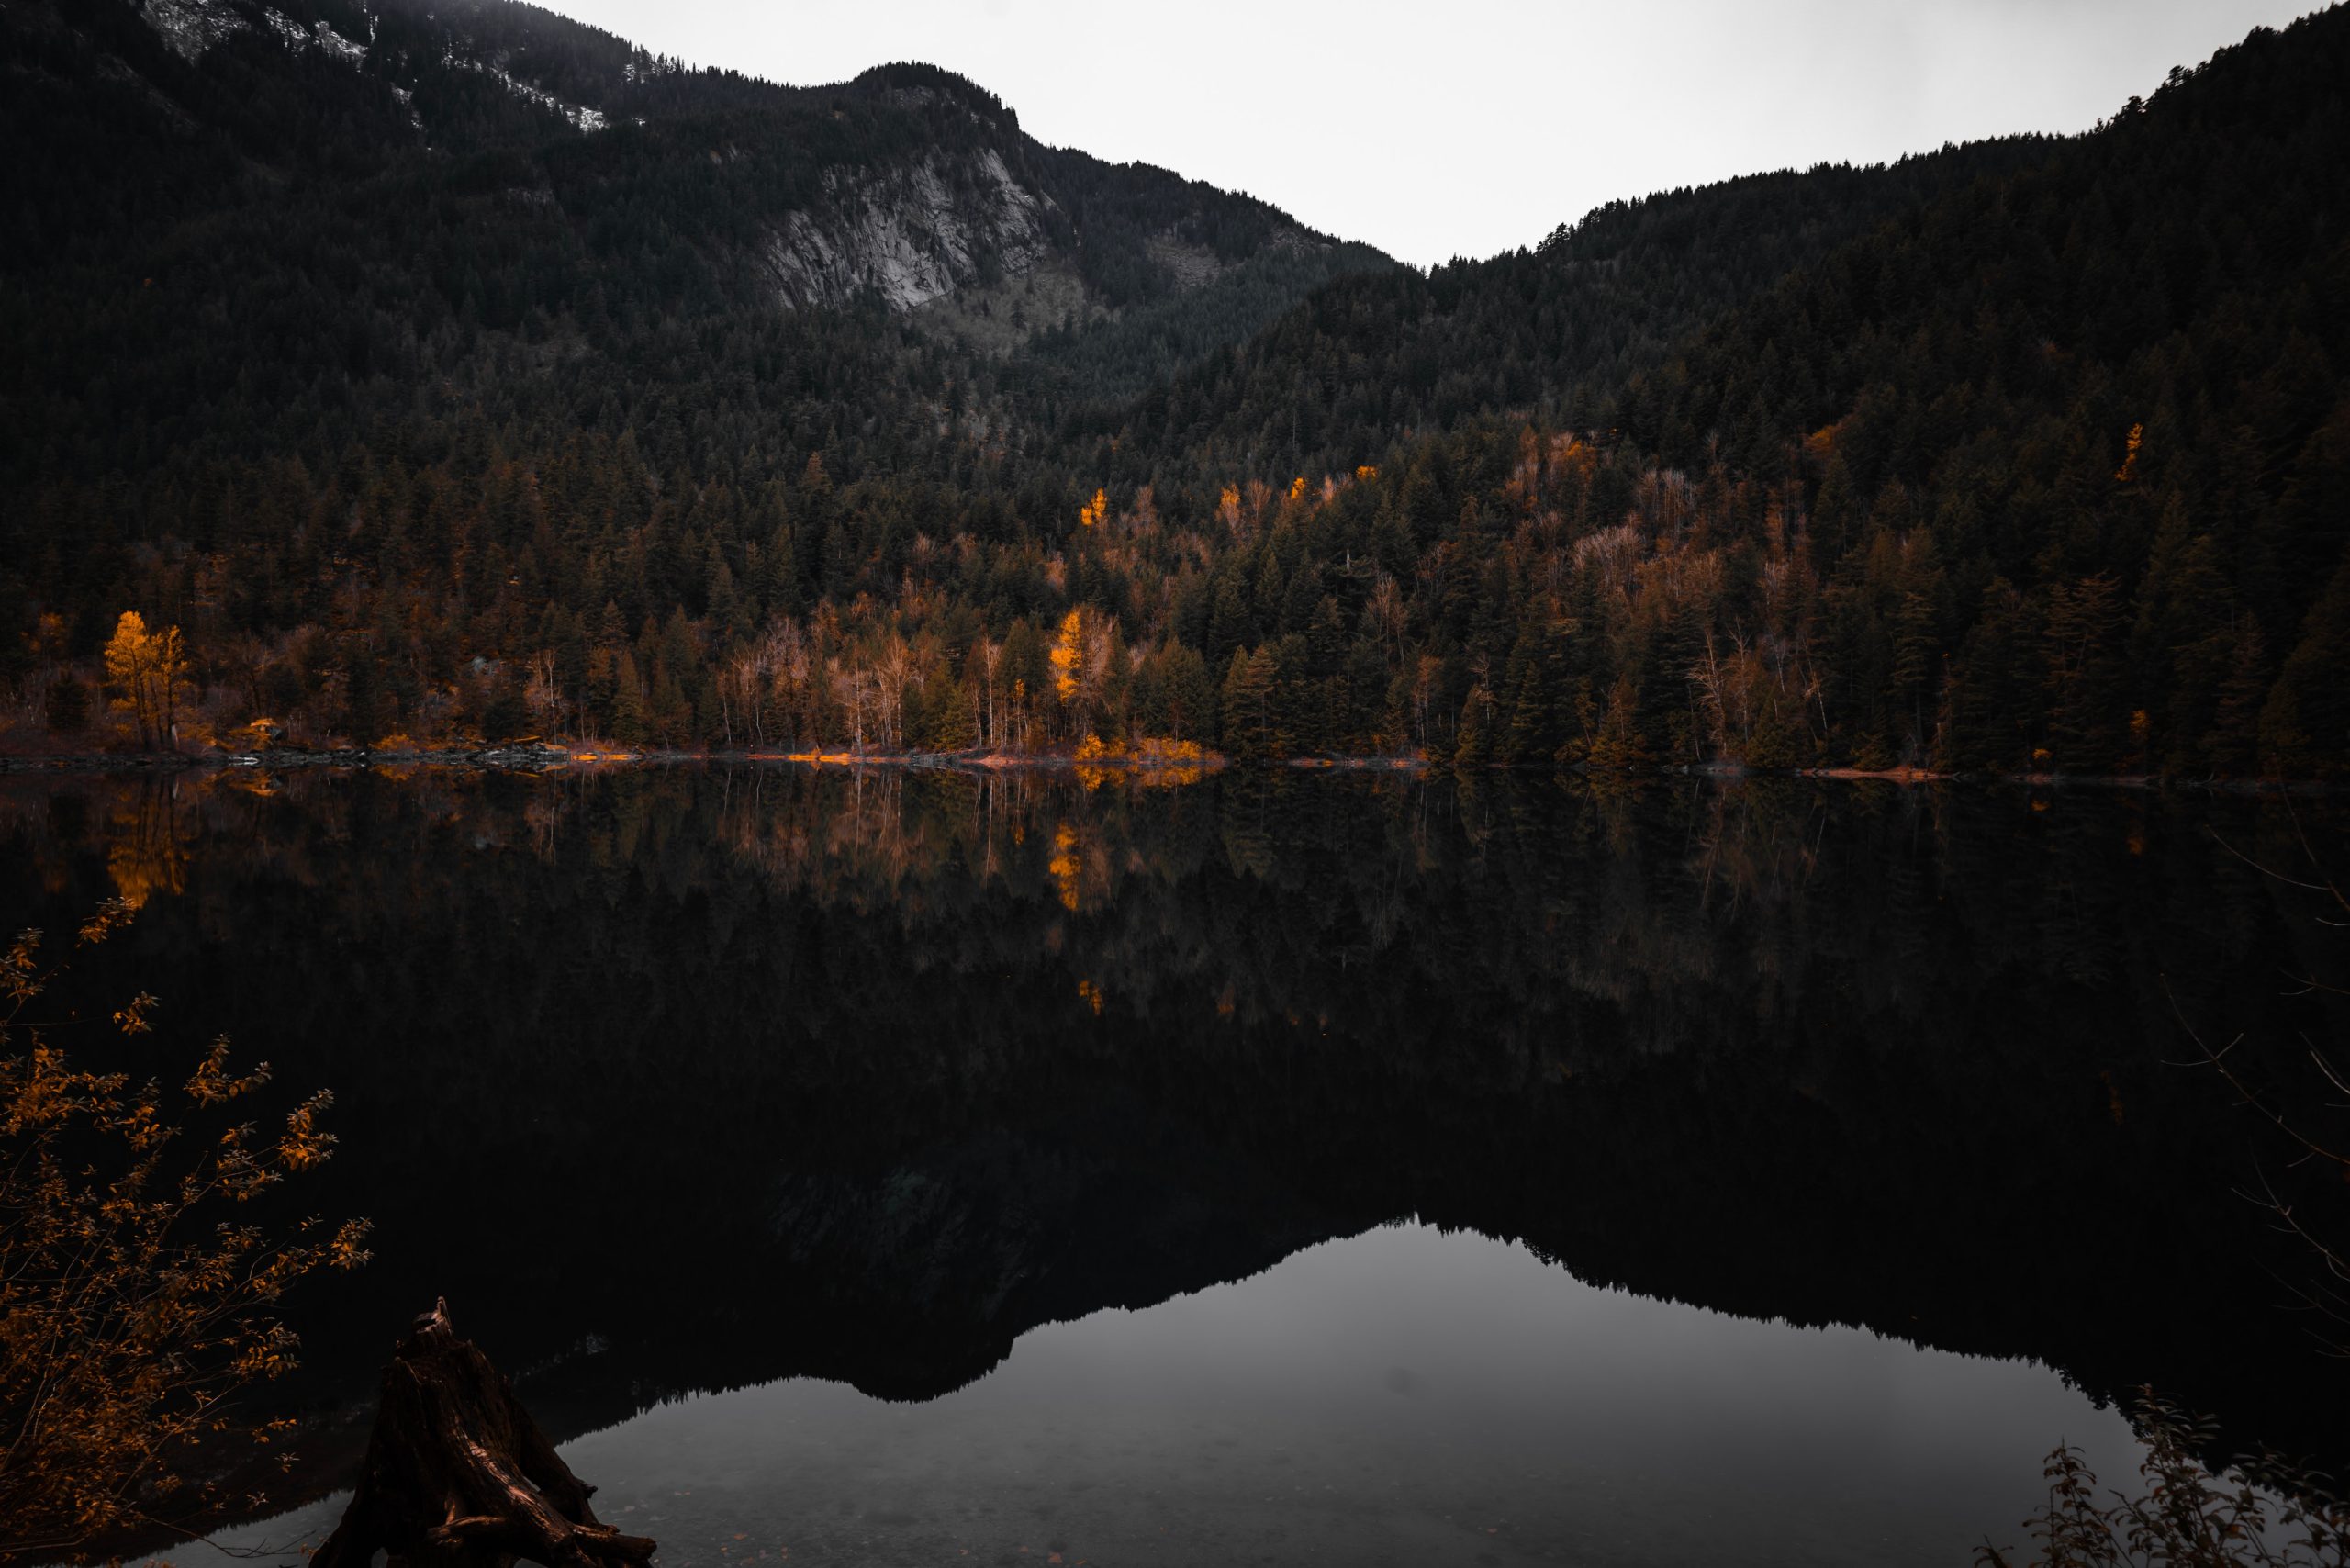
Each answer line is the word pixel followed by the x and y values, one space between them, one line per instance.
pixel 676 1080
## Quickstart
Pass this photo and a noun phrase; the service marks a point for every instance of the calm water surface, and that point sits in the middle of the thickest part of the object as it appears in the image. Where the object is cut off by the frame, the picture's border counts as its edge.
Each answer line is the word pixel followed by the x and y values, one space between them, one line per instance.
pixel 1402 1396
pixel 1274 1171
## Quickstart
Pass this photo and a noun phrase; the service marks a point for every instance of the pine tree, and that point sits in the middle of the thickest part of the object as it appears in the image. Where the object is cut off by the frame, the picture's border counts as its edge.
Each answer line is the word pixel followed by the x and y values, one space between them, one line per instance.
pixel 65 708
pixel 629 716
pixel 1249 729
pixel 1619 746
pixel 2305 726
pixel 2081 638
pixel 2232 746
pixel 1474 748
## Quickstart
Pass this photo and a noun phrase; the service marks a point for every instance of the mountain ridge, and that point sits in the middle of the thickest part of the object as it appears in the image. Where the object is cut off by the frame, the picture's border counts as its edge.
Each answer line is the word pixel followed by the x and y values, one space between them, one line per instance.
pixel 471 80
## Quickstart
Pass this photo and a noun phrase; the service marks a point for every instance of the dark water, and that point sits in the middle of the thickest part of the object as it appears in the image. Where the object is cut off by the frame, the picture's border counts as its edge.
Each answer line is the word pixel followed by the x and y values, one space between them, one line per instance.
pixel 921 1166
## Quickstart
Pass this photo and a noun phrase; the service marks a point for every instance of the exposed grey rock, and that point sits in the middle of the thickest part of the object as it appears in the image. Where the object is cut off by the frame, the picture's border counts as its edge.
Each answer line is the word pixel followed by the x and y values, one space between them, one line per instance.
pixel 912 234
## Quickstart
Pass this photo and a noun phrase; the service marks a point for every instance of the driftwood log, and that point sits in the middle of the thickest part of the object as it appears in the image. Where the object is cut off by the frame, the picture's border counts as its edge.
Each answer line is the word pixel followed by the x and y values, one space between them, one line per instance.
pixel 458 1475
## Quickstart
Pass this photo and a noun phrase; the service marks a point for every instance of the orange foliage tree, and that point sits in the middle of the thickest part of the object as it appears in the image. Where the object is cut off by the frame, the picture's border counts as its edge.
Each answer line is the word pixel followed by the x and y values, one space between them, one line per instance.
pixel 149 671
pixel 132 1309
pixel 1080 657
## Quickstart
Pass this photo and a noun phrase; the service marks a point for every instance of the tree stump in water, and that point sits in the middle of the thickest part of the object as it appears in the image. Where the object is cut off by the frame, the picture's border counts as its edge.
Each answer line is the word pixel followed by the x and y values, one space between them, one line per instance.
pixel 459 1476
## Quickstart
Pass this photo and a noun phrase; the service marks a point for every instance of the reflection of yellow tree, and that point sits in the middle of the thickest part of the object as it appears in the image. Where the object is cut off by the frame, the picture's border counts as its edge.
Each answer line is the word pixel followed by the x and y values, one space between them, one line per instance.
pixel 1163 762
pixel 147 855
pixel 889 834
pixel 143 869
pixel 1065 867
pixel 1097 761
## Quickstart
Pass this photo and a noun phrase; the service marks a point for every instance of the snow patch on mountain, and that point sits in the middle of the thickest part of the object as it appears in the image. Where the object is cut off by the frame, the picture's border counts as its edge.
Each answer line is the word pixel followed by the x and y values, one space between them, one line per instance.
pixel 190 28
pixel 334 43
pixel 912 234
pixel 581 117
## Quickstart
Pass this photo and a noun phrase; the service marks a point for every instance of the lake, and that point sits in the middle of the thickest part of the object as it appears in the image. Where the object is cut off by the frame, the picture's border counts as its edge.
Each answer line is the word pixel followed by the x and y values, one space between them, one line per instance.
pixel 1285 1168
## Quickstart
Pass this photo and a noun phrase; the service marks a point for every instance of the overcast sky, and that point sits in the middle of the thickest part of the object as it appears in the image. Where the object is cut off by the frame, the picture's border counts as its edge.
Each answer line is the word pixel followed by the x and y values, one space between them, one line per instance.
pixel 1468 127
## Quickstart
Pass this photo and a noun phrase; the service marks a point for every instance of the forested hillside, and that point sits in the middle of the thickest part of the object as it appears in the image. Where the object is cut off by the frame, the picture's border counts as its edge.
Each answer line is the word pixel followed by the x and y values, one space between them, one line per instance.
pixel 2050 472
pixel 1555 331
pixel 468 372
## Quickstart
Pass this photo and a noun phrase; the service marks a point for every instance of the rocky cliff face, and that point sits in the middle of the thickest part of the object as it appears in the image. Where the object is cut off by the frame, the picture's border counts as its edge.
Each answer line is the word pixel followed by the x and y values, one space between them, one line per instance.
pixel 912 234
pixel 190 28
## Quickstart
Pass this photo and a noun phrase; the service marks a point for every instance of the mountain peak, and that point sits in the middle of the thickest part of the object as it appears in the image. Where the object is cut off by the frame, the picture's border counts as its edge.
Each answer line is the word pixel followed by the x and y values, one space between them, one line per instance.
pixel 913 84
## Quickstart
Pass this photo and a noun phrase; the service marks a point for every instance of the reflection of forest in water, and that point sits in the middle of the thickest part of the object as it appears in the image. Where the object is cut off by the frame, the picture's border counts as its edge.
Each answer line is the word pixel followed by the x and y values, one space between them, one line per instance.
pixel 696 1078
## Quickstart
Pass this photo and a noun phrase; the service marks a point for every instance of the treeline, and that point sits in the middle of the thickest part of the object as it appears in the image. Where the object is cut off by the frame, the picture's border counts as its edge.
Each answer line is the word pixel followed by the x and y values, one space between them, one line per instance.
pixel 1531 598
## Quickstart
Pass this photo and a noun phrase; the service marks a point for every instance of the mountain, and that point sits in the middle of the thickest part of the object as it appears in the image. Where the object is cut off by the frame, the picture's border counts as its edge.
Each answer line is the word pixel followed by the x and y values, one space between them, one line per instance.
pixel 326 208
pixel 468 370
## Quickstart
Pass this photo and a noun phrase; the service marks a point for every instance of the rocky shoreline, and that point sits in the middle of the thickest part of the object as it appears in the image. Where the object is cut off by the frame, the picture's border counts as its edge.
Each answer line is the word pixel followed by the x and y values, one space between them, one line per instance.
pixel 536 757
pixel 542 756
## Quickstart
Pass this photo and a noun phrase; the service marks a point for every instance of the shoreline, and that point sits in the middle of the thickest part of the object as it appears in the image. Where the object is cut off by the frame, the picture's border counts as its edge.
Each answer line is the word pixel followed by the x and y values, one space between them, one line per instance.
pixel 544 758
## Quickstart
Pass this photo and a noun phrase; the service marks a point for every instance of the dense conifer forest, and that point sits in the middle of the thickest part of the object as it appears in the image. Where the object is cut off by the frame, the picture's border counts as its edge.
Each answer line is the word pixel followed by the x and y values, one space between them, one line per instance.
pixel 419 374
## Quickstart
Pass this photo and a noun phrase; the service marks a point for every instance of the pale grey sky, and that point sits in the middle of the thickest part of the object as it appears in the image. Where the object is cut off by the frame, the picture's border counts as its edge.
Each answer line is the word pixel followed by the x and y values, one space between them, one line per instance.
pixel 1471 126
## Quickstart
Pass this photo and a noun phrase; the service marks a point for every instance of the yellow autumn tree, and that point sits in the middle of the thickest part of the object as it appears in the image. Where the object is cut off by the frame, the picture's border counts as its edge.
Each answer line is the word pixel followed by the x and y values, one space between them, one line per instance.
pixel 1093 511
pixel 1228 510
pixel 1068 655
pixel 1080 660
pixel 149 673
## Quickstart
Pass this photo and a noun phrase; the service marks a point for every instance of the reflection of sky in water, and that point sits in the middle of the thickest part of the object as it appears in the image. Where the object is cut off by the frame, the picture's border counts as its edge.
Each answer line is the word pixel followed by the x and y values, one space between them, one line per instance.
pixel 1402 1396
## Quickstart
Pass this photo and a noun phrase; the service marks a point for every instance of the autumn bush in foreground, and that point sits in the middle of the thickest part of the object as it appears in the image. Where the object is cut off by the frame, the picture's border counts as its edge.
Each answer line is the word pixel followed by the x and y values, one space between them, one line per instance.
pixel 133 1306
pixel 2258 1511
